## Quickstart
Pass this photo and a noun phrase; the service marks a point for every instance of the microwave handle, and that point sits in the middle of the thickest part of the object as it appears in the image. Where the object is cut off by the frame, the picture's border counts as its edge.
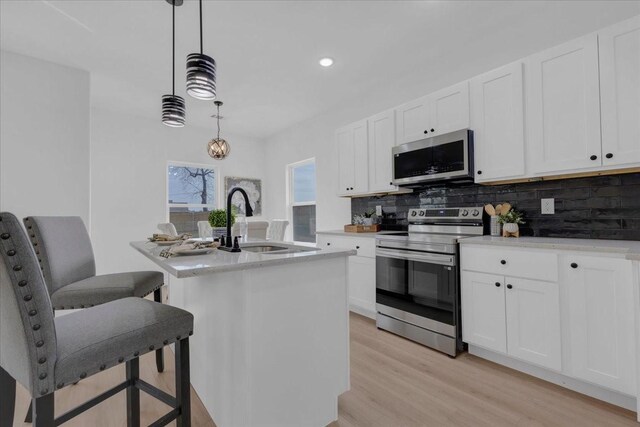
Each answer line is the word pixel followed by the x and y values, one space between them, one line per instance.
pixel 419 257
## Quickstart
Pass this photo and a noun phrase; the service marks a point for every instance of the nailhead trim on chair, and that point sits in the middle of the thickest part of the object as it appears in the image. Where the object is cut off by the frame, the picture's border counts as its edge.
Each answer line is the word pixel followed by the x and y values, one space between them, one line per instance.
pixel 27 297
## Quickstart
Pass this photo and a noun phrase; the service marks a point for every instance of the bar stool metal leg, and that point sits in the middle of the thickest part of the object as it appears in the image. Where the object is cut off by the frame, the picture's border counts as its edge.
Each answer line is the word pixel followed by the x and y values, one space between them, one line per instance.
pixel 183 383
pixel 157 297
pixel 43 411
pixel 133 393
pixel 7 398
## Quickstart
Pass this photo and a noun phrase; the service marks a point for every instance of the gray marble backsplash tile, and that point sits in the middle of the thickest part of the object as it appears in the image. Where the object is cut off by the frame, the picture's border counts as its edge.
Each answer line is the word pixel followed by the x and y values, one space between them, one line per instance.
pixel 604 207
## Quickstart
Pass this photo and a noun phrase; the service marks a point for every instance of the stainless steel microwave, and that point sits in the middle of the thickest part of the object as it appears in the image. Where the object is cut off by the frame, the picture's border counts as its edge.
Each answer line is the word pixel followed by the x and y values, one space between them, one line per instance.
pixel 447 157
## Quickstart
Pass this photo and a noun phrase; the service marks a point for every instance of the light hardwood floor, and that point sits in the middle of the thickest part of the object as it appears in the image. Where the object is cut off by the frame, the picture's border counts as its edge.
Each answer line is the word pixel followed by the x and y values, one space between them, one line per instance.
pixel 394 382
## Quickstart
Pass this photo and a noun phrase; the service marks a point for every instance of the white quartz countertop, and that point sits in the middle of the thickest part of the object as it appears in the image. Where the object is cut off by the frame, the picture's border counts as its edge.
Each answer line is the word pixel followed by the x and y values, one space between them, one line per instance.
pixel 219 261
pixel 627 247
pixel 345 234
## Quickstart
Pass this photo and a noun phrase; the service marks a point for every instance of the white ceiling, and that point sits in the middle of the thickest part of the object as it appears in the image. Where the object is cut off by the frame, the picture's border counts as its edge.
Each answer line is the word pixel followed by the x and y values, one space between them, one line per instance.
pixel 267 51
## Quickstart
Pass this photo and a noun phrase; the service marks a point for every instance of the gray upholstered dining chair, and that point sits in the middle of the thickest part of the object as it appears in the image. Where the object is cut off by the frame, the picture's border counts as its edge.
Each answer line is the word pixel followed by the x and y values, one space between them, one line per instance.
pixel 64 250
pixel 45 354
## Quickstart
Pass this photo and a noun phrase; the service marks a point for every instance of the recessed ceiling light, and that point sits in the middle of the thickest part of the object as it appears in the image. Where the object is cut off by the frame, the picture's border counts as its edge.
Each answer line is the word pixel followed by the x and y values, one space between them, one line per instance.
pixel 326 62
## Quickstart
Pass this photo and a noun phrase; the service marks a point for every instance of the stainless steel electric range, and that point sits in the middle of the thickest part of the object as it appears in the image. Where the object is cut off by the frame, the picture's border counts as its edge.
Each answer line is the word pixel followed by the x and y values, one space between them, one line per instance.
pixel 418 277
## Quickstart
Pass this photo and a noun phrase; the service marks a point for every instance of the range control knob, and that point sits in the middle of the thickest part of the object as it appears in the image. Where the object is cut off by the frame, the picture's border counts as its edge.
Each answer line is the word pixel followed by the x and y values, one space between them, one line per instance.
pixel 414 213
pixel 464 212
pixel 475 212
pixel 421 213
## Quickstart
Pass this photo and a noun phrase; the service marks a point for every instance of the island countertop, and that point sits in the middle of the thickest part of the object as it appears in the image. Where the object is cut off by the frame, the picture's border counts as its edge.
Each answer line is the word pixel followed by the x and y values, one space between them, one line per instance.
pixel 219 261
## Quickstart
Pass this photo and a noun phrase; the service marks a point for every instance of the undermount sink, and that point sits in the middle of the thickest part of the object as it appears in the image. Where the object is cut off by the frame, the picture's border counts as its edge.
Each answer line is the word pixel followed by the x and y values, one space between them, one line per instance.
pixel 276 249
pixel 264 248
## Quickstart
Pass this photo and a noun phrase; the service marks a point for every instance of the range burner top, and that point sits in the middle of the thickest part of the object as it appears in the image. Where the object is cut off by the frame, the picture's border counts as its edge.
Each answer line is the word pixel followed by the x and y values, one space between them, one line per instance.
pixel 435 230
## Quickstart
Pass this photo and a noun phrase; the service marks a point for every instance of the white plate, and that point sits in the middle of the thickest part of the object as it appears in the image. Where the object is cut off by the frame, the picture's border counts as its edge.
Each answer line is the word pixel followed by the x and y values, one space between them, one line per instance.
pixel 163 243
pixel 194 251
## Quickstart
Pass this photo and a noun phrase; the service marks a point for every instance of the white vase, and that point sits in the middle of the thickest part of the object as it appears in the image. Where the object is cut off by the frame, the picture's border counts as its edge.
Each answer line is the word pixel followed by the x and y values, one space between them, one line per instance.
pixel 511 227
pixel 218 231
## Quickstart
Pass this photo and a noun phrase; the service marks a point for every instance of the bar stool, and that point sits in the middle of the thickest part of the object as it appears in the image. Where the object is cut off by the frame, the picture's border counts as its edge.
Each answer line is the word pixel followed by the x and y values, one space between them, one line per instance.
pixel 64 251
pixel 46 354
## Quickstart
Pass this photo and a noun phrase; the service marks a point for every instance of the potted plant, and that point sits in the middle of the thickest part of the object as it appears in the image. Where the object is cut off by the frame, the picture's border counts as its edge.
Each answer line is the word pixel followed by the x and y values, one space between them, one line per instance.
pixel 510 222
pixel 368 217
pixel 218 221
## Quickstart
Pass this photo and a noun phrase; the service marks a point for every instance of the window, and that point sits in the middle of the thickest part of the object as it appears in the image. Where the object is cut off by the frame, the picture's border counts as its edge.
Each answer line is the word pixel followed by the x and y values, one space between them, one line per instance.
pixel 191 195
pixel 302 200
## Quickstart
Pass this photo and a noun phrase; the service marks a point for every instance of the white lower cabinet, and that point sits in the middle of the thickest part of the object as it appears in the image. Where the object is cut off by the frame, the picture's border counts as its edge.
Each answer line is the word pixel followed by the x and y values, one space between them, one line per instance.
pixel 483 311
pixel 518 317
pixel 600 330
pixel 566 311
pixel 533 322
pixel 362 269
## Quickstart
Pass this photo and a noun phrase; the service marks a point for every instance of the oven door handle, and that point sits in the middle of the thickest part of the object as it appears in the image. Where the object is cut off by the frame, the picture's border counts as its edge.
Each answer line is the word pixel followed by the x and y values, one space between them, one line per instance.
pixel 419 257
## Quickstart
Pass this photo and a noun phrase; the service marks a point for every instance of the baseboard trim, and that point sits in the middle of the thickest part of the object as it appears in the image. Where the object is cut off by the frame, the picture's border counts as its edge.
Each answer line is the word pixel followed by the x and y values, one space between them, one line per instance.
pixel 362 307
pixel 597 392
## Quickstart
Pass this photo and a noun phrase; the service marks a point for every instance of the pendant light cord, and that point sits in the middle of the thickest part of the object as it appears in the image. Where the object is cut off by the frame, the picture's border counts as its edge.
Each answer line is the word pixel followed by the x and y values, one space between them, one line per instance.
pixel 173 49
pixel 218 119
pixel 200 27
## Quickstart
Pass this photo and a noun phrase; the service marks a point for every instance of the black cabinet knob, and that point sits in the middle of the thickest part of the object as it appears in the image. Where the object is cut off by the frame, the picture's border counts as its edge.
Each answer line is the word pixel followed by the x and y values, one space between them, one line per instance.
pixel 432 130
pixel 479 172
pixel 609 155
pixel 357 247
pixel 426 131
pixel 574 265
pixel 503 262
pixel 594 157
pixel 497 284
pixel 328 244
pixel 390 182
pixel 347 188
pixel 509 287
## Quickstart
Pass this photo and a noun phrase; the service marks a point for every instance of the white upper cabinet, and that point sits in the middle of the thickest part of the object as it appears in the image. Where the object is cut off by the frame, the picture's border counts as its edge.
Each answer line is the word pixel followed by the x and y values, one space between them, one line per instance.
pixel 449 109
pixel 619 48
pixel 601 330
pixel 533 322
pixel 412 120
pixel 381 141
pixel 444 111
pixel 563 103
pixel 497 120
pixel 353 165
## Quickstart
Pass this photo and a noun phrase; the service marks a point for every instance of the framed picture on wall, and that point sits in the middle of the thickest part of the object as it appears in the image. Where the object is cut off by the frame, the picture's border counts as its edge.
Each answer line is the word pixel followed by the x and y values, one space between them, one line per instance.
pixel 252 186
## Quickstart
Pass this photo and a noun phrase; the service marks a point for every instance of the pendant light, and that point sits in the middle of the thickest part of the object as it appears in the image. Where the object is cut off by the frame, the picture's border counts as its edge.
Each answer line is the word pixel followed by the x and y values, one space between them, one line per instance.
pixel 218 148
pixel 173 110
pixel 201 72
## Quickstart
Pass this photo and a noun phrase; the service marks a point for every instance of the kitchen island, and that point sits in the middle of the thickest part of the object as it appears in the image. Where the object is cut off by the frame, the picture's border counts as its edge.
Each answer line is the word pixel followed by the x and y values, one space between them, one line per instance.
pixel 271 334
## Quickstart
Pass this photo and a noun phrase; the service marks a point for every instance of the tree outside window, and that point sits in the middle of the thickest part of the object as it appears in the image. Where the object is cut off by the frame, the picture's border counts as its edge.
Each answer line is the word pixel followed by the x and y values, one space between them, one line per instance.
pixel 191 195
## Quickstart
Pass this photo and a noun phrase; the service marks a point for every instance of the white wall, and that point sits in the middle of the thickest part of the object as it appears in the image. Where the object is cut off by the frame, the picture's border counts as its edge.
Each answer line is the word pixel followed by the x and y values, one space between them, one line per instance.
pixel 44 138
pixel 129 158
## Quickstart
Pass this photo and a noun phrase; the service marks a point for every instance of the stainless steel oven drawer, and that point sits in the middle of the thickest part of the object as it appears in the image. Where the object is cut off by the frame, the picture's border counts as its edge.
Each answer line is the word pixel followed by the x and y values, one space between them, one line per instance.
pixel 431 339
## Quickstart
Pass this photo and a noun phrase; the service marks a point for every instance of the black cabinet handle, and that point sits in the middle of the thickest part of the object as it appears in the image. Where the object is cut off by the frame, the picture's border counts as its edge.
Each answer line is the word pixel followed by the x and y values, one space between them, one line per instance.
pixel 479 172
pixel 432 130
pixel 594 157
pixel 609 155
pixel 503 262
pixel 498 284
pixel 426 131
pixel 351 188
pixel 357 247
pixel 390 182
pixel 328 244
pixel 347 189
pixel 574 265
pixel 509 287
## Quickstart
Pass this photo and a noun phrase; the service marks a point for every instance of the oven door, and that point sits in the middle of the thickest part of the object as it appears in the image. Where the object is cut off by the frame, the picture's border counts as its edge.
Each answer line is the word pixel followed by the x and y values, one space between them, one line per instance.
pixel 417 287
